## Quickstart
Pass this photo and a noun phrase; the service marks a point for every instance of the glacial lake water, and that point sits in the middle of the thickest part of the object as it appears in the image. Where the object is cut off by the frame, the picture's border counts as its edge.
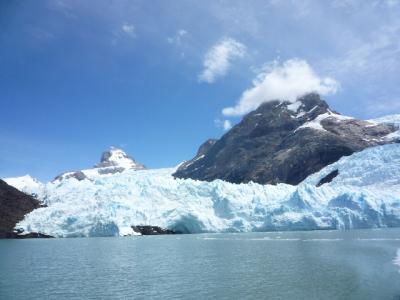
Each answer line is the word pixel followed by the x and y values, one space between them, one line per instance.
pixel 359 264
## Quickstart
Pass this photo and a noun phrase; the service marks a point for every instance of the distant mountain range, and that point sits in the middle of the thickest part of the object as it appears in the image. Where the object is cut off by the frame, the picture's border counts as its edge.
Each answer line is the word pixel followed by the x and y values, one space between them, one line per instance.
pixel 285 166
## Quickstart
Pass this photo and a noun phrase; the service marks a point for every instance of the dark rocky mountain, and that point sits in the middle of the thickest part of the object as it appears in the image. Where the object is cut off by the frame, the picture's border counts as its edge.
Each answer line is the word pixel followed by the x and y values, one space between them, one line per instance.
pixel 283 142
pixel 203 149
pixel 14 205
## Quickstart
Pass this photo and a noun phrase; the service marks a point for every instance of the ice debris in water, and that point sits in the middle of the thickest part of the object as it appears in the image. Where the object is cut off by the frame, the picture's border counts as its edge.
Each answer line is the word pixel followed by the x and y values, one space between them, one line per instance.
pixel 396 260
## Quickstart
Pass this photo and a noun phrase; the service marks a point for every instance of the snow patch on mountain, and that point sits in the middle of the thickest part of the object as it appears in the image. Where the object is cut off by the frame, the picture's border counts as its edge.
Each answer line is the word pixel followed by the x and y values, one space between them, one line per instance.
pixel 294 107
pixel 364 194
pixel 27 184
pixel 22 183
pixel 316 123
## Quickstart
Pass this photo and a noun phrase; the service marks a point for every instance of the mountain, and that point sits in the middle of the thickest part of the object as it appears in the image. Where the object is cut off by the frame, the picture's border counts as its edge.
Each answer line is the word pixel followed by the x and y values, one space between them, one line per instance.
pixel 358 191
pixel 342 174
pixel 14 205
pixel 26 184
pixel 284 142
pixel 112 161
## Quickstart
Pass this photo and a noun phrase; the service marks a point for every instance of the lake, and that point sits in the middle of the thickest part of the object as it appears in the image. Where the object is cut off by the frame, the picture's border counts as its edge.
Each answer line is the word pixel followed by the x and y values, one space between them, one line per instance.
pixel 359 264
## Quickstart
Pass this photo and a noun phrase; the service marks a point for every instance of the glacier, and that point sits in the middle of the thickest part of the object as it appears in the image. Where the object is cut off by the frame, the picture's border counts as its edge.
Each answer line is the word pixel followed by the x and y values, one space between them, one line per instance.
pixel 364 194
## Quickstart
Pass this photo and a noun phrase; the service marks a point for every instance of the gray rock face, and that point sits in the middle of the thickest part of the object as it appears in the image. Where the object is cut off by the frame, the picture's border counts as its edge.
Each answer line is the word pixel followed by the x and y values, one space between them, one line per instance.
pixel 283 142
pixel 78 175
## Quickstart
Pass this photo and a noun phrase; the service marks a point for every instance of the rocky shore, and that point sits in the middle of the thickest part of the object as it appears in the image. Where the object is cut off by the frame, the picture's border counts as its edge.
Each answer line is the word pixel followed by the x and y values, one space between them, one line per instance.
pixel 152 230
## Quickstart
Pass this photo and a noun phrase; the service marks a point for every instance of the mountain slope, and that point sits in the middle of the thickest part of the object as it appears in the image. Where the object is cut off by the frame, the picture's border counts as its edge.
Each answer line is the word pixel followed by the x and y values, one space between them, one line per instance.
pixel 14 205
pixel 283 142
pixel 363 192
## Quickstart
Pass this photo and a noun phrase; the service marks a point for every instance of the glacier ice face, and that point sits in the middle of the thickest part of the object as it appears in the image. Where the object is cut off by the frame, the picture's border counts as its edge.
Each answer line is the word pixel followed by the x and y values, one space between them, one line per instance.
pixel 364 194
pixel 150 197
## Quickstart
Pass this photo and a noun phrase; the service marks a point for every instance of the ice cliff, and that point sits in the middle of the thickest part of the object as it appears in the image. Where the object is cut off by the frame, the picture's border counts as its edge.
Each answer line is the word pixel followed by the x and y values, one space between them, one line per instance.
pixel 358 191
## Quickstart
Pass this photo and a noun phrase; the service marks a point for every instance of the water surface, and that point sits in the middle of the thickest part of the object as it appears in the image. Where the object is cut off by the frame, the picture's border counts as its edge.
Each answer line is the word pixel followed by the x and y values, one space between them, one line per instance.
pixel 359 264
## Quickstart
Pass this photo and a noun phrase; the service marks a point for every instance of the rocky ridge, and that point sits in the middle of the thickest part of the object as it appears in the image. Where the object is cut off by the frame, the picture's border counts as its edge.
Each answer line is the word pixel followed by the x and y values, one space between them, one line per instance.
pixel 284 142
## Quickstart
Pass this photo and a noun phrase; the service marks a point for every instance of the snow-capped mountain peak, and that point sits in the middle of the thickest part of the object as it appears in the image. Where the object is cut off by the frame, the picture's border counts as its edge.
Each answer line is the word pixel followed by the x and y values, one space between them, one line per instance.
pixel 24 183
pixel 112 161
pixel 115 157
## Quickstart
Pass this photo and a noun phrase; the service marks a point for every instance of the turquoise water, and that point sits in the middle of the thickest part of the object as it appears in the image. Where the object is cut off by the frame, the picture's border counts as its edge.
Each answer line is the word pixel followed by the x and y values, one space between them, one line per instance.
pixel 291 265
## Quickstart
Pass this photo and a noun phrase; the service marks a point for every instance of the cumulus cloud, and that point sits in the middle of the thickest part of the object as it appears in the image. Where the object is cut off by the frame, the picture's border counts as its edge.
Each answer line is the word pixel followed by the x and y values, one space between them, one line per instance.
pixel 225 124
pixel 392 3
pixel 129 29
pixel 379 52
pixel 177 39
pixel 218 59
pixel 287 81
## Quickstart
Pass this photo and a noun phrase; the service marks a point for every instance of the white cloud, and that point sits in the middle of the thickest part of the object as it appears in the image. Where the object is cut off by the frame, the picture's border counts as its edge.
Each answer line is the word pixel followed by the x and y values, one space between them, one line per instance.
pixel 123 32
pixel 379 52
pixel 286 81
pixel 177 39
pixel 225 124
pixel 129 29
pixel 217 60
pixel 392 3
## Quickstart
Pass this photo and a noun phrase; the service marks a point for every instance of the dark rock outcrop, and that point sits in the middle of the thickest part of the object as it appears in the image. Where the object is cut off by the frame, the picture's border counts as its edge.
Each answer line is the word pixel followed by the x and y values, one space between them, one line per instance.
pixel 284 142
pixel 78 175
pixel 152 230
pixel 29 235
pixel 328 178
pixel 14 205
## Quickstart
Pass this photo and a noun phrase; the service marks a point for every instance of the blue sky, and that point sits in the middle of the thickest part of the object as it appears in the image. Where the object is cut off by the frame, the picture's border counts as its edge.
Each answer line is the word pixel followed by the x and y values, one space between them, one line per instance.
pixel 157 78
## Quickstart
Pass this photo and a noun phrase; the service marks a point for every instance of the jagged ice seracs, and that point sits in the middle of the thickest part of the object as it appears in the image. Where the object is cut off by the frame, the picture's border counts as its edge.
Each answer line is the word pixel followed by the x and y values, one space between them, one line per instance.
pixel 364 194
